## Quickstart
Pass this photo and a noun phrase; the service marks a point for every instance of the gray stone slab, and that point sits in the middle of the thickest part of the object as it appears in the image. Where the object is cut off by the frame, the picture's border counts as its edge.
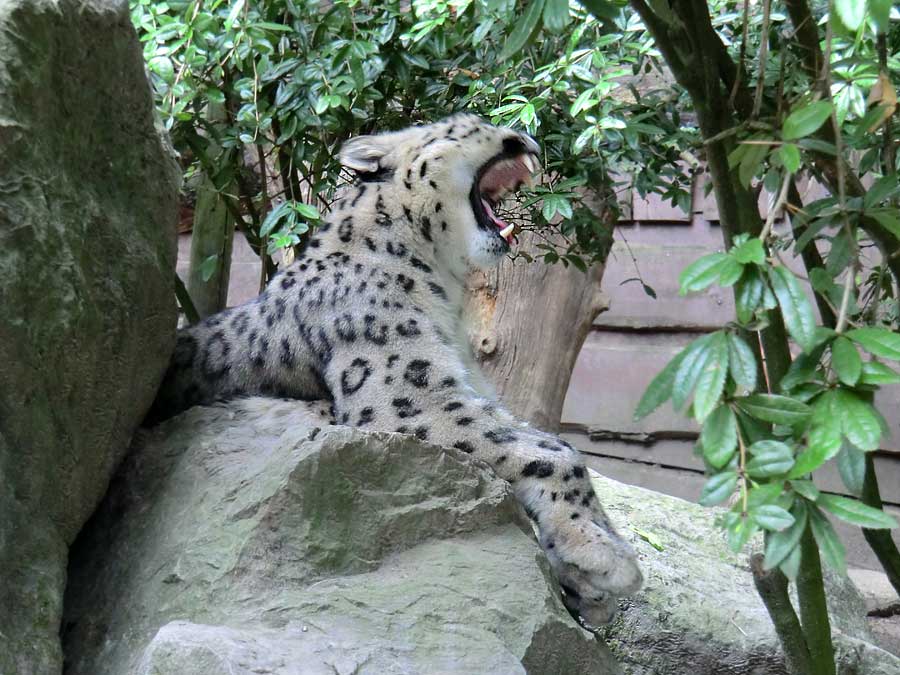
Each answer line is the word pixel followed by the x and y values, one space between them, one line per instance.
pixel 243 539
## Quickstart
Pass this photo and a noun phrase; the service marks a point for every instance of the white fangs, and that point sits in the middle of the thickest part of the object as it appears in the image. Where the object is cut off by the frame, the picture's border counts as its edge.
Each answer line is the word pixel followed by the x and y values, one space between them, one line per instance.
pixel 529 163
pixel 501 178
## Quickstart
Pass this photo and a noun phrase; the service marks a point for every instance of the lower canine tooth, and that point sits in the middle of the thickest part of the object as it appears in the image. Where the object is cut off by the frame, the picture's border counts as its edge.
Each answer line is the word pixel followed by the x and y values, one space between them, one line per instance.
pixel 506 231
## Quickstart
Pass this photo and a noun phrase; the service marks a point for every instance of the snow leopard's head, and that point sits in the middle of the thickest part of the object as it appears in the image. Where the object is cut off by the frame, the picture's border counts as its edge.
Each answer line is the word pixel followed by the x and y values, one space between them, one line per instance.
pixel 451 175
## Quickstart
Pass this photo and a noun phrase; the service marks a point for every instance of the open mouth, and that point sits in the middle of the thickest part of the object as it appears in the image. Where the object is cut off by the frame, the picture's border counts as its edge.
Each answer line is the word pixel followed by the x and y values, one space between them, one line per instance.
pixel 496 179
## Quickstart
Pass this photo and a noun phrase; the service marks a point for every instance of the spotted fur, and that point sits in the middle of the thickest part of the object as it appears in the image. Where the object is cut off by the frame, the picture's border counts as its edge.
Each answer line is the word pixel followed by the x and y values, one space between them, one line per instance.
pixel 370 317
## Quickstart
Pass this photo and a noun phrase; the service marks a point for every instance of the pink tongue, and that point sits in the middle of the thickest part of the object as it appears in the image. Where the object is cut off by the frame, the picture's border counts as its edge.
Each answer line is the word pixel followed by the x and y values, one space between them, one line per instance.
pixel 501 175
pixel 499 223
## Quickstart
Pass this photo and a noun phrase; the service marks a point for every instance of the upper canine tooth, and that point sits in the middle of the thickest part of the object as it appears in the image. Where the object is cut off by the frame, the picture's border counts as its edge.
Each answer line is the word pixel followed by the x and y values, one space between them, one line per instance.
pixel 529 163
pixel 506 231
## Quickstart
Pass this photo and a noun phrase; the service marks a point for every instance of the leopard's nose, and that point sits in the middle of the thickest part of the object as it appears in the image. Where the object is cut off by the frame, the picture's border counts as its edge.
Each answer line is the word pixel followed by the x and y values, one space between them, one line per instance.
pixel 531 145
pixel 521 144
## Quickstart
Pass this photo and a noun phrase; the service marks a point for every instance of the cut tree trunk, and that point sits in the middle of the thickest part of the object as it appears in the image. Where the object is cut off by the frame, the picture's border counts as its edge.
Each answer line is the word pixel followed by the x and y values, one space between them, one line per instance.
pixel 213 235
pixel 527 324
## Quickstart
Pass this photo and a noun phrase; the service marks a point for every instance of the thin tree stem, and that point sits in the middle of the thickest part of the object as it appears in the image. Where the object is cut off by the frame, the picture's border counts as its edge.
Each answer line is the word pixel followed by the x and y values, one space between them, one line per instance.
pixel 812 259
pixel 185 302
pixel 845 298
pixel 813 608
pixel 772 587
pixel 763 53
pixel 776 207
pixel 880 541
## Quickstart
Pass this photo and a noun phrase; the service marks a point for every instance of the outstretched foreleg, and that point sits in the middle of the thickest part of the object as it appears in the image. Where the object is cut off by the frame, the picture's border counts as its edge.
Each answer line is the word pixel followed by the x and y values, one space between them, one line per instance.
pixel 430 399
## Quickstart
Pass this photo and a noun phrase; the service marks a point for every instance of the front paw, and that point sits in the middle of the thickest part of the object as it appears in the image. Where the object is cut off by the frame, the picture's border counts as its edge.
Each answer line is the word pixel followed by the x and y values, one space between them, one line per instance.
pixel 594 566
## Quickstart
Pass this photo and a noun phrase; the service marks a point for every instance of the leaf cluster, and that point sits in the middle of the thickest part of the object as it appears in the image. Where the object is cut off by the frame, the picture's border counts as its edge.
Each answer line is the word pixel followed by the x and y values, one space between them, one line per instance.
pixel 767 445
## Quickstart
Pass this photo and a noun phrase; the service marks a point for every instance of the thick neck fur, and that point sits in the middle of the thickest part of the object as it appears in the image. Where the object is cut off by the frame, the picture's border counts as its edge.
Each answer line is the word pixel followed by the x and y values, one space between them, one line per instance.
pixel 372 224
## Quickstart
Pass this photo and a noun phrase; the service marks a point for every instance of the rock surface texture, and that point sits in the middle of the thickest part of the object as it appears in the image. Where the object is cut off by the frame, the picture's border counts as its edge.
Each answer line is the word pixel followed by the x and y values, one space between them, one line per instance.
pixel 698 613
pixel 87 245
pixel 253 538
pixel 242 539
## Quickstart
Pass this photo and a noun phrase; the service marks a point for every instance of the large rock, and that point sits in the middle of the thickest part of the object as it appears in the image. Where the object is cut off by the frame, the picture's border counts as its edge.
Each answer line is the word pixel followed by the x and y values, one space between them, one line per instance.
pixel 87 246
pixel 698 612
pixel 242 539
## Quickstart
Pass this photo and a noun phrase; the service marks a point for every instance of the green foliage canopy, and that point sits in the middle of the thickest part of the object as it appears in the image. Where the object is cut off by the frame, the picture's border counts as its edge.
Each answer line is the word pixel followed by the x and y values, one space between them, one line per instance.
pixel 296 78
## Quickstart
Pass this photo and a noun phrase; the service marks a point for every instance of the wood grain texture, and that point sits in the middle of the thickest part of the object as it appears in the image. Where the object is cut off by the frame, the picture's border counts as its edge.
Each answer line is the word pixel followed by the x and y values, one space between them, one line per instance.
pixel 527 324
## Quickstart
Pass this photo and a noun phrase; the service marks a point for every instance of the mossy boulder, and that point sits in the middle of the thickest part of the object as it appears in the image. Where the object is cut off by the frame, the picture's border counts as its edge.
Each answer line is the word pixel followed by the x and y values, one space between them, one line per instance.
pixel 88 195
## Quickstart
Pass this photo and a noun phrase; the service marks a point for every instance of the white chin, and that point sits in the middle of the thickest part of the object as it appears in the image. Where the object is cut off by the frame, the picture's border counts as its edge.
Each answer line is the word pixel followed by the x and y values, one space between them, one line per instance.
pixel 486 251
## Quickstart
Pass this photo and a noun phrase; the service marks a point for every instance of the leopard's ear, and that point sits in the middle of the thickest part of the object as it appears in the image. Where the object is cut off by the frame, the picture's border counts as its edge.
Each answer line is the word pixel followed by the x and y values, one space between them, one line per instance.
pixel 367 154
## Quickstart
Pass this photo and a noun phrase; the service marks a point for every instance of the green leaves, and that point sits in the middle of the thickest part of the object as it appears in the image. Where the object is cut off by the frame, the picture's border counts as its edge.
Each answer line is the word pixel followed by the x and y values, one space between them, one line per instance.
pixel 742 362
pixel 770 458
pixel 208 267
pixel 725 268
pixel 711 380
pixel 285 224
pixel 749 251
pixel 807 119
pixel 660 389
pixel 162 66
pixel 602 9
pixel 877 341
pixel 781 544
pixel 702 370
pixel 233 13
pixel 857 513
pixel 271 220
pixel 851 13
pixel 692 365
pixel 772 517
pixel 880 11
pixel 790 157
pixel 874 373
pixel 860 423
pixel 556 15
pixel 846 361
pixel 829 544
pixel 524 30
pixel 797 311
pixel 748 294
pixel 774 408
pixel 719 437
pixel 718 488
pixel 812 458
pixel 825 429
pixel 852 467
pixel 702 273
